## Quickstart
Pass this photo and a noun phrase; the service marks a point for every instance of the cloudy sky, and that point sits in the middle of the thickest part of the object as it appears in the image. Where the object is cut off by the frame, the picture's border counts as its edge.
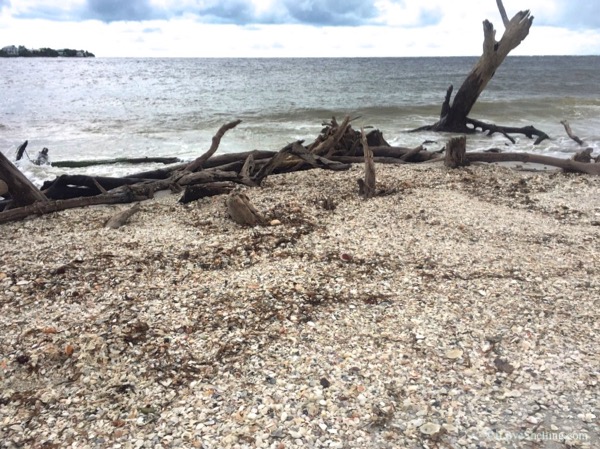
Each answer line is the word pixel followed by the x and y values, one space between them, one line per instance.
pixel 296 28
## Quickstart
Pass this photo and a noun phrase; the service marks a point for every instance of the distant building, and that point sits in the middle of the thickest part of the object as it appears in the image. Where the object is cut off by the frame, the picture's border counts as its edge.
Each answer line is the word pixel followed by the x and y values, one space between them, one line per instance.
pixel 11 50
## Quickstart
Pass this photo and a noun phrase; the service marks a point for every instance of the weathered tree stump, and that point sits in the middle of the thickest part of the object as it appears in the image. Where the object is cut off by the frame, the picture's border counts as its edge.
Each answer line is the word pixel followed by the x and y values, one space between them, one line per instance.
pixel 242 211
pixel 456 150
pixel 366 188
pixel 3 188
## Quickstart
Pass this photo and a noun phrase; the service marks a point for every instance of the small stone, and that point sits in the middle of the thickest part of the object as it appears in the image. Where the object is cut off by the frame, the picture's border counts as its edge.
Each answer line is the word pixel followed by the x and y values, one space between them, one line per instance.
pixel 454 354
pixel 503 366
pixel 430 428
pixel 324 382
pixel 589 417
pixel 275 222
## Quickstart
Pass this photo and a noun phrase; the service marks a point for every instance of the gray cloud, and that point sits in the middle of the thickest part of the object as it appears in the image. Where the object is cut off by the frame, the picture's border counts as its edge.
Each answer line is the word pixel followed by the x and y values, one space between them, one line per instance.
pixel 330 12
pixel 242 12
pixel 571 13
pixel 580 13
pixel 231 11
pixel 120 10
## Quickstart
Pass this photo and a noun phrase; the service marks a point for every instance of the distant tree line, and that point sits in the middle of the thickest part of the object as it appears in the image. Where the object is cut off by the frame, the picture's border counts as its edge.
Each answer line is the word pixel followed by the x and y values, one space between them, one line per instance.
pixel 21 51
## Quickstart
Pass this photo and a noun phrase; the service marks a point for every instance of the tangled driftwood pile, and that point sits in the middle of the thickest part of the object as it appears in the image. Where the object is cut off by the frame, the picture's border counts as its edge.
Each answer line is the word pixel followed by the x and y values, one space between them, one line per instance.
pixel 336 148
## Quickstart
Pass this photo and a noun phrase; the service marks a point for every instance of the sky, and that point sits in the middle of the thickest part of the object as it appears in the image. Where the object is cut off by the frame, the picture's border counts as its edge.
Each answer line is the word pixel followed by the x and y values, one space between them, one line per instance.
pixel 293 28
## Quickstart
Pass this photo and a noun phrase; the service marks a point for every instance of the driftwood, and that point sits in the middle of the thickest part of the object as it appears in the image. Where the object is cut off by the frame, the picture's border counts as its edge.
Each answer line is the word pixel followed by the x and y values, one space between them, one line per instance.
pixel 456 152
pixel 584 156
pixel 367 186
pixel 565 164
pixel 418 154
pixel 118 220
pixel 570 132
pixel 454 115
pixel 22 191
pixel 211 175
pixel 121 160
pixel 216 140
pixel 45 207
pixel 198 191
pixel 73 186
pixel 527 131
pixel 242 211
pixel 327 145
pixel 3 188
pixel 21 150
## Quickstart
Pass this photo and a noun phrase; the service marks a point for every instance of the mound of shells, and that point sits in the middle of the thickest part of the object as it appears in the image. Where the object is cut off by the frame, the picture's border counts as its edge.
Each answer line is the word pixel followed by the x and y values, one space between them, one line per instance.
pixel 460 309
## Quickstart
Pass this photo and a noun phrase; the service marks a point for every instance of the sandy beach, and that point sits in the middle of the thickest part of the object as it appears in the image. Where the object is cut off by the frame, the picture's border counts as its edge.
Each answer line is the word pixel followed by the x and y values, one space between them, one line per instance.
pixel 459 310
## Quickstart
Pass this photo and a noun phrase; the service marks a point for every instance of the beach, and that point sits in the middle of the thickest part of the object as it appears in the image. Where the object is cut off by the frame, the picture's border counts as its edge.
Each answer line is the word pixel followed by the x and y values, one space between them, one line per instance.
pixel 458 309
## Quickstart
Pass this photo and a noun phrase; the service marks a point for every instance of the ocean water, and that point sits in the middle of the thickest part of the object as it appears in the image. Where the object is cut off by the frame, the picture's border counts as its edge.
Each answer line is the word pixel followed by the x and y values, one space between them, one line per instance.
pixel 124 107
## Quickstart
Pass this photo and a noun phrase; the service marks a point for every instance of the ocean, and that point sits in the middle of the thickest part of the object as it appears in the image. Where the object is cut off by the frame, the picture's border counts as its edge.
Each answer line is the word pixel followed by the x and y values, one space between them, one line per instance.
pixel 106 108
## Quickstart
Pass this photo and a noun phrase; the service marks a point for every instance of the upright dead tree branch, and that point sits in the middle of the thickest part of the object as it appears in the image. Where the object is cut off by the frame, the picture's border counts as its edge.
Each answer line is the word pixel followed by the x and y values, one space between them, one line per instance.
pixel 505 20
pixel 456 150
pixel 454 115
pixel 216 140
pixel 367 187
pixel 569 132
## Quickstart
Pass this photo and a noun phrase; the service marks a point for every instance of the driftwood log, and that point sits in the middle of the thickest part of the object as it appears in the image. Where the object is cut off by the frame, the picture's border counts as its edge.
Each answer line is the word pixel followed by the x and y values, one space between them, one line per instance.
pixel 120 160
pixel 565 164
pixel 127 195
pixel 3 188
pixel 118 220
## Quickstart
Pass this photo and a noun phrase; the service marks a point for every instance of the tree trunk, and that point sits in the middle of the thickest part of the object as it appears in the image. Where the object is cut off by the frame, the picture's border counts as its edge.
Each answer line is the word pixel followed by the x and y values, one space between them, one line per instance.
pixel 454 117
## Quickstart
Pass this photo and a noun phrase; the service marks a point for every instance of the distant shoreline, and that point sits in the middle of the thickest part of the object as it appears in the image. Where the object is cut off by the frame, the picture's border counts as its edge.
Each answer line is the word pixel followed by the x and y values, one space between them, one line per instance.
pixel 13 51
